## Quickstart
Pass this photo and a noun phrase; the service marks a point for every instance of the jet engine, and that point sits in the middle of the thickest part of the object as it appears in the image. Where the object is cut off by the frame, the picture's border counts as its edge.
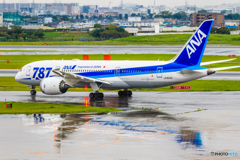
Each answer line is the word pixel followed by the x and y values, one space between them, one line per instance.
pixel 53 86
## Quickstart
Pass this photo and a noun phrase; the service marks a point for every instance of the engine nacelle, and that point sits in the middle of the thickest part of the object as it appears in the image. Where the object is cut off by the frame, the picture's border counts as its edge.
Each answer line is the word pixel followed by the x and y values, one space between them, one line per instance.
pixel 53 86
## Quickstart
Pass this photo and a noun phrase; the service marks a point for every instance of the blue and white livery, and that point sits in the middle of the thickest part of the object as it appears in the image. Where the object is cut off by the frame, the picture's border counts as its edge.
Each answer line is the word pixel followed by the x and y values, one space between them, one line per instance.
pixel 55 77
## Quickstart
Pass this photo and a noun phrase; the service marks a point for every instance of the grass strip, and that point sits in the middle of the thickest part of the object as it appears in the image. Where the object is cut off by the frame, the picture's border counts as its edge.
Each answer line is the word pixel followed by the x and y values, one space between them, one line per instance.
pixel 30 108
pixel 155 40
pixel 50 35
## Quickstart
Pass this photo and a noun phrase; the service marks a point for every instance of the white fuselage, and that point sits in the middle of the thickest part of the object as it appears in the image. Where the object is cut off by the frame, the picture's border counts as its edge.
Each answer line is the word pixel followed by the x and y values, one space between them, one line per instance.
pixel 121 74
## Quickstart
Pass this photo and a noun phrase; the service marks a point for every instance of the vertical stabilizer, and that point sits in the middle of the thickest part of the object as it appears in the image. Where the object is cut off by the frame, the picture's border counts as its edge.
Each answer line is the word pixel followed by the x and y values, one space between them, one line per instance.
pixel 192 52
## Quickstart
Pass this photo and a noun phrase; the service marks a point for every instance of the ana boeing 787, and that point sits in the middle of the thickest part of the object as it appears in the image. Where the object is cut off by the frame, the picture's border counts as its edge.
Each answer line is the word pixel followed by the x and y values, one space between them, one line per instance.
pixel 57 76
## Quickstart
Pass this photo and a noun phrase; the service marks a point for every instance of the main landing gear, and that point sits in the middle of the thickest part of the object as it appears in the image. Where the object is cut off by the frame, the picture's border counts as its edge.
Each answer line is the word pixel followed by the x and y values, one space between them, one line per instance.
pixel 33 92
pixel 125 93
pixel 96 95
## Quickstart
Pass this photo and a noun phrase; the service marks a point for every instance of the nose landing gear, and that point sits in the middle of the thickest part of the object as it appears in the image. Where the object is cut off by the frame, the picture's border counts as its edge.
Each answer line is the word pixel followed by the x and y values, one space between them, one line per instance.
pixel 33 92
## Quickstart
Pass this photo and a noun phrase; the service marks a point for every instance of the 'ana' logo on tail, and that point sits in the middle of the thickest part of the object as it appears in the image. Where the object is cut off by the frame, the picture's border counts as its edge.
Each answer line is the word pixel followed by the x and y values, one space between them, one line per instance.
pixel 191 45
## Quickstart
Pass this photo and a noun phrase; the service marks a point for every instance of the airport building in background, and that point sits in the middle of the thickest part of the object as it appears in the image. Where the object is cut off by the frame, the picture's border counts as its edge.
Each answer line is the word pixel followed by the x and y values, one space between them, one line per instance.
pixel 1 18
pixel 13 18
pixel 198 18
pixel 41 8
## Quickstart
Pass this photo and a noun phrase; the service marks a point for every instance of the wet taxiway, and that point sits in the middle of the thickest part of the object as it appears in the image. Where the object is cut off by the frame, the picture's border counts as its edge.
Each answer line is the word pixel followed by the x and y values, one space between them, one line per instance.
pixel 210 50
pixel 189 125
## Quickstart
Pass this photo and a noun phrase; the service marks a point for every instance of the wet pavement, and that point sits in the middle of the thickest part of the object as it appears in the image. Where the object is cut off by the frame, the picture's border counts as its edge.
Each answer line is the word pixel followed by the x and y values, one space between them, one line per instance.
pixel 187 125
pixel 210 50
pixel 8 72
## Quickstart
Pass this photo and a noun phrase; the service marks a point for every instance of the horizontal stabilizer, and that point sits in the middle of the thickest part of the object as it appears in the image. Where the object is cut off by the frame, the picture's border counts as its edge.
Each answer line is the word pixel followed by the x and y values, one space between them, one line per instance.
pixel 213 62
pixel 224 68
pixel 188 71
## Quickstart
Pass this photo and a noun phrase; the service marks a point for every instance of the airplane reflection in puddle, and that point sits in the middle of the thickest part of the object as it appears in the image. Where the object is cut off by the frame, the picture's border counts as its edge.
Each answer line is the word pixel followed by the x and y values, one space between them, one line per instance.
pixel 152 127
pixel 189 138
pixel 38 118
pixel 110 102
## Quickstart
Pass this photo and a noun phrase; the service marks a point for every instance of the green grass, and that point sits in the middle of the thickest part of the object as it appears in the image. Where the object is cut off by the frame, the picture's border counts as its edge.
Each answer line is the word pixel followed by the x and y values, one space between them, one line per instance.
pixel 180 39
pixel 74 35
pixel 30 108
pixel 156 40
pixel 18 61
pixel 51 35
pixel 9 84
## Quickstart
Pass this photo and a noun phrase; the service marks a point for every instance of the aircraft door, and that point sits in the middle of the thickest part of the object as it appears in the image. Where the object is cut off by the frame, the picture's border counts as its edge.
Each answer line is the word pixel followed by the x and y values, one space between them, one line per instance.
pixel 159 72
pixel 28 71
pixel 117 72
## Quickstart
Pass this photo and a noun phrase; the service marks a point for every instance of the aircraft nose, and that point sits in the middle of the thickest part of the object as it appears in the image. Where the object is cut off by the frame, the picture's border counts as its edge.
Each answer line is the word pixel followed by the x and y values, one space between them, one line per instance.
pixel 17 77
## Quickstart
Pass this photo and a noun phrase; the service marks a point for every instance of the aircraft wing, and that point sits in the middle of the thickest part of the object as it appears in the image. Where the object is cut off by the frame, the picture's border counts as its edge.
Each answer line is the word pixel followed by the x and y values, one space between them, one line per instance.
pixel 212 62
pixel 72 79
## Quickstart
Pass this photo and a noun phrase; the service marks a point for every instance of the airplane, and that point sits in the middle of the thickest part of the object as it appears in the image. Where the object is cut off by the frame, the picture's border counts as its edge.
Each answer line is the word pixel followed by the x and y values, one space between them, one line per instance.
pixel 57 76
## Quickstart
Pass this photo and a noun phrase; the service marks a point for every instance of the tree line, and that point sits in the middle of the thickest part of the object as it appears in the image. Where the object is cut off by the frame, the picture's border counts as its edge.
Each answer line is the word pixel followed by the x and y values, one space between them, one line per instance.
pixel 110 31
pixel 16 32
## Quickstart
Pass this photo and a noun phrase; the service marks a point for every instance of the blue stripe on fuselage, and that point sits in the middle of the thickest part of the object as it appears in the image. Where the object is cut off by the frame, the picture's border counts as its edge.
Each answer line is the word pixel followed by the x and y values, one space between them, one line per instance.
pixel 171 67
pixel 26 78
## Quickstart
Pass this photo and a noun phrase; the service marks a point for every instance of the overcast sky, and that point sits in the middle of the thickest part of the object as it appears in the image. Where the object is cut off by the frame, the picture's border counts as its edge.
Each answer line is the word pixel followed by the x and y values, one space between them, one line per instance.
pixel 101 3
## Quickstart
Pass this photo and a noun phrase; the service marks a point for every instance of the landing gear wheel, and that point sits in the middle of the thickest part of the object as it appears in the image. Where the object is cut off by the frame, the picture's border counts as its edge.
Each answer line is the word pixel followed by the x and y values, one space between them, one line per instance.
pixel 120 93
pixel 96 95
pixel 125 94
pixel 129 93
pixel 33 92
pixel 91 95
pixel 101 95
